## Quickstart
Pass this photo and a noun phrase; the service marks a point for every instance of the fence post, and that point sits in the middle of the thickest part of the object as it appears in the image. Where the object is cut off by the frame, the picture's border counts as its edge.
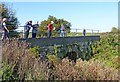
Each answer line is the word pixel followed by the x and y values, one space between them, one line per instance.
pixel 92 31
pixel 76 32
pixel 98 32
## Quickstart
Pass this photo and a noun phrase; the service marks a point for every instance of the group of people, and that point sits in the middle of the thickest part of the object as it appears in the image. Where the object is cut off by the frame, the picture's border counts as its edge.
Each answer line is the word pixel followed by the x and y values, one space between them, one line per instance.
pixel 5 30
pixel 50 28
pixel 27 28
pixel 29 25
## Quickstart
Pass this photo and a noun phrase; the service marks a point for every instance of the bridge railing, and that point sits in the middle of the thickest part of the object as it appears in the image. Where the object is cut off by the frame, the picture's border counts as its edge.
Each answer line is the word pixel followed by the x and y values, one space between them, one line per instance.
pixel 89 32
pixel 73 31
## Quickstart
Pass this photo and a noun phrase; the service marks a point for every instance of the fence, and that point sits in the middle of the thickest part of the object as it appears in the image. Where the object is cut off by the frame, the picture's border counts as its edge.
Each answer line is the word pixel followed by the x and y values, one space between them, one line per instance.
pixel 89 32
pixel 73 31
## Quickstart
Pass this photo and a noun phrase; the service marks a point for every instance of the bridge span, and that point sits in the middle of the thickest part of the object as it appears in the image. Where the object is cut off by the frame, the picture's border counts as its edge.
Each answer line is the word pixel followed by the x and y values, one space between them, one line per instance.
pixel 60 40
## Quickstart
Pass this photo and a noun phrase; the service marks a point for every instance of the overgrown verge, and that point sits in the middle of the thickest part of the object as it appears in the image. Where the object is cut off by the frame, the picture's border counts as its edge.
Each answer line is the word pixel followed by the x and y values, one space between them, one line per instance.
pixel 19 63
pixel 107 50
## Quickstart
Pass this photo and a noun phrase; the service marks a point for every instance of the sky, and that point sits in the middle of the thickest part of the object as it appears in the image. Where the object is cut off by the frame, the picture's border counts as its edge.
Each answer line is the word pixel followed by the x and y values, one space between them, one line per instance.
pixel 59 0
pixel 82 15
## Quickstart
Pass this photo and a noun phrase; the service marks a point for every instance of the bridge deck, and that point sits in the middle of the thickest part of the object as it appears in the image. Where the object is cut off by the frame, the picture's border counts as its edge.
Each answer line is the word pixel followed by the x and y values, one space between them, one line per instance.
pixel 60 40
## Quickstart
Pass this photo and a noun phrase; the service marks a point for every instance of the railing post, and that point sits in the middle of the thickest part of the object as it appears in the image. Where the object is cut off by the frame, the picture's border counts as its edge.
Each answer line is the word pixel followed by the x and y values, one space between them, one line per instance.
pixel 76 32
pixel 92 31
pixel 98 32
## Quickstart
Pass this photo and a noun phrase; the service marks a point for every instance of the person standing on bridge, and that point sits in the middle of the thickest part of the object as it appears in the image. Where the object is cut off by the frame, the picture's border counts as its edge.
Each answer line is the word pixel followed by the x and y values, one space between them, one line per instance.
pixel 5 31
pixel 35 30
pixel 27 28
pixel 50 27
pixel 84 32
pixel 62 31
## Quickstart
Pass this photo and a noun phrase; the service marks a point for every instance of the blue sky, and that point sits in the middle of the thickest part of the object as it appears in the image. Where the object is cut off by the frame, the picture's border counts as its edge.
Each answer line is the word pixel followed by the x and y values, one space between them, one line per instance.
pixel 89 15
pixel 59 0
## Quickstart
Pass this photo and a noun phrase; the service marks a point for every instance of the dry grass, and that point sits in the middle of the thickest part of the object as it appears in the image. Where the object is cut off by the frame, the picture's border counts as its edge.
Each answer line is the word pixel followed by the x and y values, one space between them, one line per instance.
pixel 83 70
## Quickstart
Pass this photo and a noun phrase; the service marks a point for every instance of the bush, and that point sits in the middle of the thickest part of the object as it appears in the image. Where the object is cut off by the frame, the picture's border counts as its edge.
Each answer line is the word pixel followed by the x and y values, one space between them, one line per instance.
pixel 19 64
pixel 107 50
pixel 53 59
pixel 35 51
pixel 114 30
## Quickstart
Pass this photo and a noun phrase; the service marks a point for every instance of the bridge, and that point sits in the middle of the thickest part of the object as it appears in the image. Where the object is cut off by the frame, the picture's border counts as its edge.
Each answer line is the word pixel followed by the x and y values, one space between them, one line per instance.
pixel 60 40
pixel 75 38
pixel 47 45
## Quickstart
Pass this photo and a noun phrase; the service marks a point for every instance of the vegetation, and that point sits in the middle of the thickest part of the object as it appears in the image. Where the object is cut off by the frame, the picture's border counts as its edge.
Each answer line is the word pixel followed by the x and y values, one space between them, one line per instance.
pixel 107 49
pixel 20 64
pixel 115 30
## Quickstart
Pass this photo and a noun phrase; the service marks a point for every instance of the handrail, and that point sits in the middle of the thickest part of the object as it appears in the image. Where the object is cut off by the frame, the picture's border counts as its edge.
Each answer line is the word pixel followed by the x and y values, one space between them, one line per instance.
pixel 75 31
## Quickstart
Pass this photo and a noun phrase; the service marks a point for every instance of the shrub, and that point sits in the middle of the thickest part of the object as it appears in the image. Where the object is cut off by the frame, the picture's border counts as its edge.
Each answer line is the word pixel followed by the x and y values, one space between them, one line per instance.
pixel 35 51
pixel 19 64
pixel 107 50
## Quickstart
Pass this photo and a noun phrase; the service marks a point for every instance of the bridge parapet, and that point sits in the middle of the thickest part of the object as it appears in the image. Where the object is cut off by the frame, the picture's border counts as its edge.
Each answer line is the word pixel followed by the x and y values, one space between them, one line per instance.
pixel 60 40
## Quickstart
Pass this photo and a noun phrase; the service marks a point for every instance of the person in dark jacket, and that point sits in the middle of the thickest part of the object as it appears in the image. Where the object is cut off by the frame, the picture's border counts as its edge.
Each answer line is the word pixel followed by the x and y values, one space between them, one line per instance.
pixel 27 28
pixel 84 32
pixel 35 29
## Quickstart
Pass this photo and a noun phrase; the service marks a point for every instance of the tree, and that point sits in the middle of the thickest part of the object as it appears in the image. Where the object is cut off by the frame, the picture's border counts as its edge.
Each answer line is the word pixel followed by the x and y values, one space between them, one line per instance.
pixel 7 12
pixel 57 25
pixel 114 30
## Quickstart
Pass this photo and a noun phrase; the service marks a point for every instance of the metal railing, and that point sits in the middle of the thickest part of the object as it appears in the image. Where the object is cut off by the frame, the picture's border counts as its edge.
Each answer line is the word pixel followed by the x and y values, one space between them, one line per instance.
pixel 77 32
pixel 73 31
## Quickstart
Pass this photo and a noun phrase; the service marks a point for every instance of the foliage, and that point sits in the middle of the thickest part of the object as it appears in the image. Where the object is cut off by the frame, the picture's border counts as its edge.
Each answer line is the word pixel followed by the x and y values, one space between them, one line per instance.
pixel 60 51
pixel 107 50
pixel 56 25
pixel 18 63
pixel 74 51
pixel 53 59
pixel 35 51
pixel 115 30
